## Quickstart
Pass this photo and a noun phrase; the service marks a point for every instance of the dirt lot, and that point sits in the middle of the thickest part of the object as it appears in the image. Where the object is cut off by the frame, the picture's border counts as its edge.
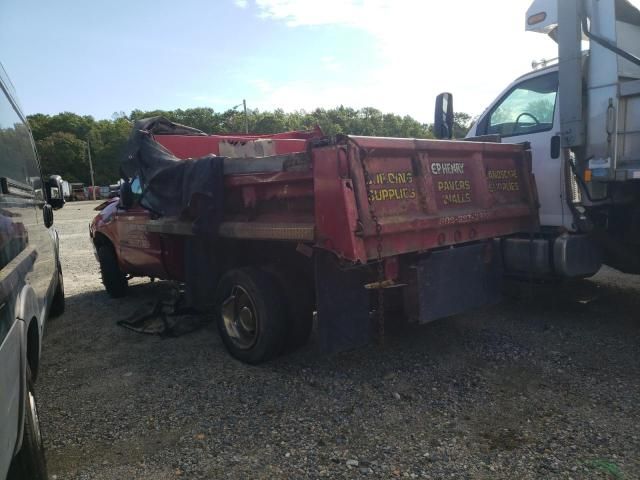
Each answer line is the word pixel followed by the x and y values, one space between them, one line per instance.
pixel 542 388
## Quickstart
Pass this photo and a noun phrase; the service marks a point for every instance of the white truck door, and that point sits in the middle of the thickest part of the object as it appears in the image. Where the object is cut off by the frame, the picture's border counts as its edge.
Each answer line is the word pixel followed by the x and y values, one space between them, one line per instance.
pixel 526 112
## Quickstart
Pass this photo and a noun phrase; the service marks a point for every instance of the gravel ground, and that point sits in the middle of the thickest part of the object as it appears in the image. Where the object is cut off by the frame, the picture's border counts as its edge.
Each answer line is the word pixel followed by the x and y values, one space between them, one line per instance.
pixel 546 386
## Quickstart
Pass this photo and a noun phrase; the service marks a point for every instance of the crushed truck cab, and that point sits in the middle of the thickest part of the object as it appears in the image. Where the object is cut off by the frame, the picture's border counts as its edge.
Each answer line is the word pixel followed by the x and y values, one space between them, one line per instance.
pixel 298 223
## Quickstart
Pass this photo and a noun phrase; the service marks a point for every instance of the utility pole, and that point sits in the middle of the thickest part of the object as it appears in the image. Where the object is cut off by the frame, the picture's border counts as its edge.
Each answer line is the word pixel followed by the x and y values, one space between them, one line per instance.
pixel 93 185
pixel 246 119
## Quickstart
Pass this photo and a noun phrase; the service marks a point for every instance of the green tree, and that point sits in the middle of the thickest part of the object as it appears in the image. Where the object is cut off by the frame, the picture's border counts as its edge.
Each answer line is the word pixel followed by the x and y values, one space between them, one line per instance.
pixel 68 122
pixel 108 140
pixel 62 139
pixel 461 124
pixel 39 124
pixel 64 154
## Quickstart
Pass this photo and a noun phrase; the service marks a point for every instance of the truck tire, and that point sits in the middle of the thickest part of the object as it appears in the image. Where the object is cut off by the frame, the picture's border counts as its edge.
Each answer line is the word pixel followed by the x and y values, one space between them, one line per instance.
pixel 30 462
pixel 57 304
pixel 300 304
pixel 249 315
pixel 114 281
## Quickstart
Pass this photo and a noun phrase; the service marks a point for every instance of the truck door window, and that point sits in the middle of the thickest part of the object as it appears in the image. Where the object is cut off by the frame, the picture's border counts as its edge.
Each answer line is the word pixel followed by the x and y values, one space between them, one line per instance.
pixel 527 108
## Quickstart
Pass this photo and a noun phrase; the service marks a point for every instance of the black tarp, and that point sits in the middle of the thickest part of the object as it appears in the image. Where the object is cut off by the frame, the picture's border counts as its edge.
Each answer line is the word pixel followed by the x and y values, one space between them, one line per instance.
pixel 170 186
pixel 191 188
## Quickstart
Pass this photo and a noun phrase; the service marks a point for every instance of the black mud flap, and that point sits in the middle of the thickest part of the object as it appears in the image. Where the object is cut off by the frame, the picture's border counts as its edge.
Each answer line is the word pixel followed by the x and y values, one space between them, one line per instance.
pixel 458 279
pixel 342 303
pixel 201 272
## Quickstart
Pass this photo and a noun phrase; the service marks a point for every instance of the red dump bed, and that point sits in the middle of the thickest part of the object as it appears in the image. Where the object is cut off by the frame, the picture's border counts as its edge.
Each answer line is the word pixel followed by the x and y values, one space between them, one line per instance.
pixel 360 194
pixel 185 146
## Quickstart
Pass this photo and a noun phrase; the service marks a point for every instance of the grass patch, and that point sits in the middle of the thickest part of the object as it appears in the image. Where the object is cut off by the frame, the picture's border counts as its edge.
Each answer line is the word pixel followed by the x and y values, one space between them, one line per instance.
pixel 611 469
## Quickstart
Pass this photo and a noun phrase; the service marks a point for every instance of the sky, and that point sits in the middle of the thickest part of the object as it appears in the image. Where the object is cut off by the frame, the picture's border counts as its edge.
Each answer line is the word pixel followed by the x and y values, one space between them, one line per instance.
pixel 100 57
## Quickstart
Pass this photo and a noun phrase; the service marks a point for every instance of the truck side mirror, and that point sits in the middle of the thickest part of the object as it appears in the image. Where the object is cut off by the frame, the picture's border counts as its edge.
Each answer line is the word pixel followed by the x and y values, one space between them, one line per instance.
pixel 53 188
pixel 126 195
pixel 443 122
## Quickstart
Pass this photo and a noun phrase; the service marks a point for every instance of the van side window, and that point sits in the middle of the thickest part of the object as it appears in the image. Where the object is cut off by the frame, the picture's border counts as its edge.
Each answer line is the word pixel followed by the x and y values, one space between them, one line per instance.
pixel 16 149
pixel 19 161
pixel 527 108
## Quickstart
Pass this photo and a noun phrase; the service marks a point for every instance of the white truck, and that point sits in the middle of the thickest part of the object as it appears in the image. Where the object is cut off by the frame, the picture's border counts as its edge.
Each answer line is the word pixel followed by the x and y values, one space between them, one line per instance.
pixel 66 189
pixel 580 113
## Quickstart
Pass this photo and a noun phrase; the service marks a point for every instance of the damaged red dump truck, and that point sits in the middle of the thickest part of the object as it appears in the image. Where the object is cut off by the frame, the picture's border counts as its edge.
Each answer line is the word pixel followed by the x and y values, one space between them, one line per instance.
pixel 267 230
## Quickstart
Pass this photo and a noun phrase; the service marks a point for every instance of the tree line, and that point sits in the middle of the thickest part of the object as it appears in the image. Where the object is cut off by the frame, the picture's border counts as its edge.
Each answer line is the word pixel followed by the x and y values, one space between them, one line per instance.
pixel 65 141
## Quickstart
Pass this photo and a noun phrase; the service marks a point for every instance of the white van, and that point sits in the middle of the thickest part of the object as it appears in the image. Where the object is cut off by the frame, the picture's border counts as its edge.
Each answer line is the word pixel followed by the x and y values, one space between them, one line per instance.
pixel 31 286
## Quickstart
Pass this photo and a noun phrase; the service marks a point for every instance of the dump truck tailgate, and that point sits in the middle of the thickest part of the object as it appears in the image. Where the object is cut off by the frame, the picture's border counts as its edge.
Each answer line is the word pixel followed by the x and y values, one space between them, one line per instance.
pixel 386 196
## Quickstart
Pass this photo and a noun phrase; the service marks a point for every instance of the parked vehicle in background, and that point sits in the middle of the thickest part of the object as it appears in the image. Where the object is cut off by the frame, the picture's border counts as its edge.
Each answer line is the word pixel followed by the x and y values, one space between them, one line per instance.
pixel 581 116
pixel 114 190
pixel 286 224
pixel 66 189
pixel 31 287
pixel 78 192
pixel 95 192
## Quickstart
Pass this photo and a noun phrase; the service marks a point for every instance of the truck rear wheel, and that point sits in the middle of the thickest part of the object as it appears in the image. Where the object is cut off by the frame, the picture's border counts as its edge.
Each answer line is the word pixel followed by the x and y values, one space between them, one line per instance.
pixel 114 281
pixel 250 315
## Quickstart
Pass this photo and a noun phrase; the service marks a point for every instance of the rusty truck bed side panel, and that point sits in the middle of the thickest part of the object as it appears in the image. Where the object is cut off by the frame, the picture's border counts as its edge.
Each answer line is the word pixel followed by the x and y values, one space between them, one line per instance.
pixel 360 194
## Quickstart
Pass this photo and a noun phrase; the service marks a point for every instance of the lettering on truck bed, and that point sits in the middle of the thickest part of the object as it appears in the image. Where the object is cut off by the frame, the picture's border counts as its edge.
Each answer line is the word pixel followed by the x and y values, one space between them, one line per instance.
pixel 452 188
pixel 452 191
pixel 447 168
pixel 391 186
pixel 505 180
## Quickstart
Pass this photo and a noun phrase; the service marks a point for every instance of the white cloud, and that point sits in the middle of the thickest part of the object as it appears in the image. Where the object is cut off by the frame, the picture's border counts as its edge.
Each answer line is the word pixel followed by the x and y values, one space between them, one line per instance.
pixel 241 3
pixel 307 96
pixel 356 13
pixel 330 63
pixel 471 48
pixel 262 85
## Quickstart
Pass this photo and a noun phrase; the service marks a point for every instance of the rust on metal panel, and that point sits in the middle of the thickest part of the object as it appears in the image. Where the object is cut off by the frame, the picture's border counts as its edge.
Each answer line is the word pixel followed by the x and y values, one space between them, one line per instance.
pixel 267 231
pixel 262 147
pixel 170 226
pixel 255 230
pixel 267 178
pixel 194 146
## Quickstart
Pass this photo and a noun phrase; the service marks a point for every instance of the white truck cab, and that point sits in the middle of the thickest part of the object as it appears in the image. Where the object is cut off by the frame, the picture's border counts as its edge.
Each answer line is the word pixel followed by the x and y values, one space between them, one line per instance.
pixel 526 112
pixel 581 117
